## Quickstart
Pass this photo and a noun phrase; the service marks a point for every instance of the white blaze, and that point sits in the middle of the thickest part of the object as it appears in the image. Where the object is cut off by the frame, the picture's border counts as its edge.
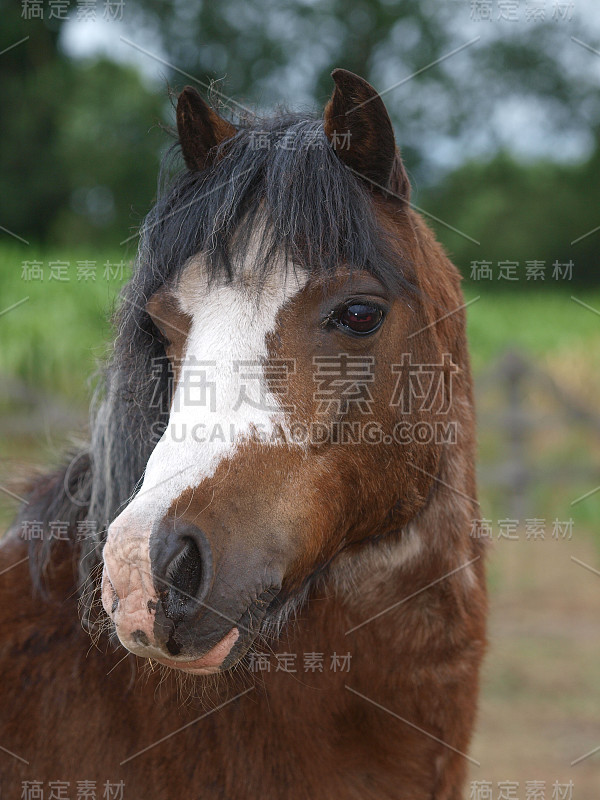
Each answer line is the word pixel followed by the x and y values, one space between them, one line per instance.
pixel 215 408
pixel 221 395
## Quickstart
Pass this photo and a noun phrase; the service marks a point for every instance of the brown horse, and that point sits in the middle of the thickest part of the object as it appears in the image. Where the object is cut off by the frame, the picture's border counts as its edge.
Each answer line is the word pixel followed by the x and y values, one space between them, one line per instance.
pixel 274 511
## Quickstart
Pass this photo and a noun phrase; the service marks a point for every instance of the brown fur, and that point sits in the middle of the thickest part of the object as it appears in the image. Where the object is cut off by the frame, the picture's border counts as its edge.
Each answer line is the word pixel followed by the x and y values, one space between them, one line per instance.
pixel 200 128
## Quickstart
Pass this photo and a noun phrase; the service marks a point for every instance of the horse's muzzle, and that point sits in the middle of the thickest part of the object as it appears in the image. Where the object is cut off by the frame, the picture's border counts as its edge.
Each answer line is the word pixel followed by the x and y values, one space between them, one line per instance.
pixel 161 592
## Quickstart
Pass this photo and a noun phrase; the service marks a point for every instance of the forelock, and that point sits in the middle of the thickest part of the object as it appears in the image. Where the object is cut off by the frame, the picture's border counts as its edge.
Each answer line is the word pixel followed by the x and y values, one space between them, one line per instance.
pixel 282 178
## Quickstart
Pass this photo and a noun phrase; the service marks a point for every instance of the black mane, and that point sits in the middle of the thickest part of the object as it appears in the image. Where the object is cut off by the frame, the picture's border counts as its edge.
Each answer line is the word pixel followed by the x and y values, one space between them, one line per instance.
pixel 281 176
pixel 306 205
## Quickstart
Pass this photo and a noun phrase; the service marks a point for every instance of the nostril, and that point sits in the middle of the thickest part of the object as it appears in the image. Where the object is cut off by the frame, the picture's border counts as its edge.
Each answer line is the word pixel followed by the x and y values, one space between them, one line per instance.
pixel 181 559
pixel 184 578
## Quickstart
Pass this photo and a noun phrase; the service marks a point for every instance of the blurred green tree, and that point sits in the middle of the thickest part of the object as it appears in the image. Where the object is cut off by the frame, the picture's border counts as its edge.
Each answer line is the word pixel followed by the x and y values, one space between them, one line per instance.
pixel 540 211
pixel 79 144
pixel 78 162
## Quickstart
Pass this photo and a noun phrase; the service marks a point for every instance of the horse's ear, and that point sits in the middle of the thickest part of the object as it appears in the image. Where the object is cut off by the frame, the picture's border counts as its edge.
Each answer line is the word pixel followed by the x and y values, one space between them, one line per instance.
pixel 359 128
pixel 200 128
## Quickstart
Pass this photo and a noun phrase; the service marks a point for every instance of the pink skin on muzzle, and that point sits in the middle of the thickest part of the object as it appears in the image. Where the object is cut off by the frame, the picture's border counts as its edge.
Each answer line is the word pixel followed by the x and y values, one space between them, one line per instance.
pixel 128 594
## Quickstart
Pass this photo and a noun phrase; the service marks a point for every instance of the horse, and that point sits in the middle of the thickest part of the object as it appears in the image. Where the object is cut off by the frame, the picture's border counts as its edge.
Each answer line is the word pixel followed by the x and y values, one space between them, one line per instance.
pixel 264 582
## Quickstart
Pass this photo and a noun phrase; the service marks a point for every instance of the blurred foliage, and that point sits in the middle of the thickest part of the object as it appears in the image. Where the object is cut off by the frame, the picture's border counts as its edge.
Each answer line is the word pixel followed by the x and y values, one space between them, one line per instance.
pixel 80 139
pixel 266 51
pixel 79 146
pixel 522 212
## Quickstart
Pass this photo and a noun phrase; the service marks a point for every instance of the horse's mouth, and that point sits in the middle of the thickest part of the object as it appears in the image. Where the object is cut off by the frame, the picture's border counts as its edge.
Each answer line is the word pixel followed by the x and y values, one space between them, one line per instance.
pixel 211 661
pixel 235 642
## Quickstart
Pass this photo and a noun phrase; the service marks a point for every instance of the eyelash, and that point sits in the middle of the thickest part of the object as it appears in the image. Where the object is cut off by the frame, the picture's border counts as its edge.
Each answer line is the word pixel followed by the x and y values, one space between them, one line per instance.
pixel 161 337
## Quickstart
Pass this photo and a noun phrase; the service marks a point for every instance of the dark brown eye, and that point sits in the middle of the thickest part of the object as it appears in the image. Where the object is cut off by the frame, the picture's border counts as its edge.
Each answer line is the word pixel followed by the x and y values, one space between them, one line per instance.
pixel 360 318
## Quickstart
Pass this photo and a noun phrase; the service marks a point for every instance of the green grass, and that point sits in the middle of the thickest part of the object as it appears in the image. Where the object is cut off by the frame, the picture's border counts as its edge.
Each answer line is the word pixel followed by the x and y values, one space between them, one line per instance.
pixel 543 324
pixel 55 339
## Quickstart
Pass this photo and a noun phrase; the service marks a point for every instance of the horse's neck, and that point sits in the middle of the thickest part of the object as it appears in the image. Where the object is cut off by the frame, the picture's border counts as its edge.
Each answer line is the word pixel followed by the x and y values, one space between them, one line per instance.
pixel 400 634
pixel 398 602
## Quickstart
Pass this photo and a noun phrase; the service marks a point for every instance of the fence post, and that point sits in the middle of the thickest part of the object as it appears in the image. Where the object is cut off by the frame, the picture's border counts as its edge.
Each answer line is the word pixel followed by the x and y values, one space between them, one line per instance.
pixel 515 370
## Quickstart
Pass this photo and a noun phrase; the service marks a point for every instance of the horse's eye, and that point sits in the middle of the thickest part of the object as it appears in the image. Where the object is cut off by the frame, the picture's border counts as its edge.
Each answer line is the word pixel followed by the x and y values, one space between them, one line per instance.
pixel 360 318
